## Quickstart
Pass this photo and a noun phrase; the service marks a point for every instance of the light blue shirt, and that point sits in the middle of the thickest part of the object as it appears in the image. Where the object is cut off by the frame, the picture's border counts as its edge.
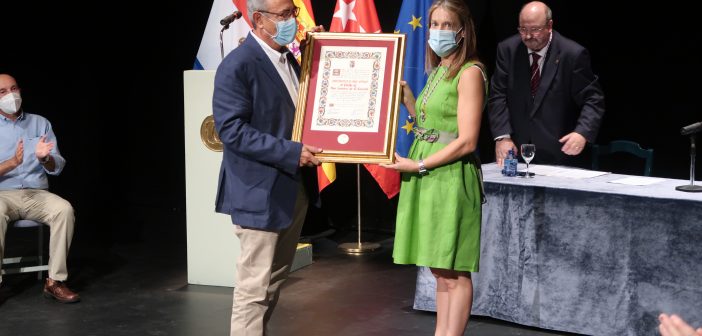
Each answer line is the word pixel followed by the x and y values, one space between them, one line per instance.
pixel 30 174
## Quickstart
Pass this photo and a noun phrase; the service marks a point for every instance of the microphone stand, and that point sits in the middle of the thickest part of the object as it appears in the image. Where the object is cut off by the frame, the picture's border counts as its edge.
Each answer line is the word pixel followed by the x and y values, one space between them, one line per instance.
pixel 221 40
pixel 691 187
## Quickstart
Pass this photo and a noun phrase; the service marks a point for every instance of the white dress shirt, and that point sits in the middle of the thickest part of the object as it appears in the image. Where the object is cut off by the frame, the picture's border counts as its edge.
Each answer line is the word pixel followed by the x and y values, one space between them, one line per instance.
pixel 284 68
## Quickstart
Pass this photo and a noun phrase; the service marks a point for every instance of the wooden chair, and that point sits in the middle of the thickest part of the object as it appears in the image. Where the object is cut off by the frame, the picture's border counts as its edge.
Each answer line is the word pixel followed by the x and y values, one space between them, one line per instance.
pixel 625 146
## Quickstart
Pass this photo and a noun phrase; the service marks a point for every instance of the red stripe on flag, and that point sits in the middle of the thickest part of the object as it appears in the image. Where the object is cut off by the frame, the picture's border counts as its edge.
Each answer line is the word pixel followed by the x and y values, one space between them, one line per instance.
pixel 322 179
pixel 308 5
pixel 367 16
pixel 388 179
pixel 241 6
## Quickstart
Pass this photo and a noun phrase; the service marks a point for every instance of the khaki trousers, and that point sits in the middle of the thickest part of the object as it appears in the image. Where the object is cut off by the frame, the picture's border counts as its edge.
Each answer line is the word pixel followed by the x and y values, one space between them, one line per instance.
pixel 41 206
pixel 263 266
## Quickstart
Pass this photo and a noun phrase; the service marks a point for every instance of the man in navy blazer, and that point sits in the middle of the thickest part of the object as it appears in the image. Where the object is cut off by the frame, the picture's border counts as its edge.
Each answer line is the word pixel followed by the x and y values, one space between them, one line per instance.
pixel 555 102
pixel 256 89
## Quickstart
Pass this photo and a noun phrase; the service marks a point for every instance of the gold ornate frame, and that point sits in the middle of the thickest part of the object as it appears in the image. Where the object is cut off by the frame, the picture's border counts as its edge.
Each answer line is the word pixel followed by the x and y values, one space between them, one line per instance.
pixel 395 44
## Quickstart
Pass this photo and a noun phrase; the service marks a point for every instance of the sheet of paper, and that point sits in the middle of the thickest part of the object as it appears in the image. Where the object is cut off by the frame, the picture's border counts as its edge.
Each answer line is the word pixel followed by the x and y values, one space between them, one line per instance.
pixel 349 95
pixel 567 172
pixel 638 180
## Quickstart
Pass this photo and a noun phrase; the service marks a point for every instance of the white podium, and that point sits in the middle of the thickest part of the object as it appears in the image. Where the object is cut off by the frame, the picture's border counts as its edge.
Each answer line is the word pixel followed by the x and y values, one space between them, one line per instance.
pixel 212 246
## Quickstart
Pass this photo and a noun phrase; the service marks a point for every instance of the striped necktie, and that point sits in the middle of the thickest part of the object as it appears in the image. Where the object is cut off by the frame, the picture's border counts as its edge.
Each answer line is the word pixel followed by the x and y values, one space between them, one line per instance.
pixel 535 74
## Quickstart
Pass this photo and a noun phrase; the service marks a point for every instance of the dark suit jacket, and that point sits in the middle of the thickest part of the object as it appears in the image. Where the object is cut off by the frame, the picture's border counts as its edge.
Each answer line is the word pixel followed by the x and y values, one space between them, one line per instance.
pixel 259 177
pixel 569 97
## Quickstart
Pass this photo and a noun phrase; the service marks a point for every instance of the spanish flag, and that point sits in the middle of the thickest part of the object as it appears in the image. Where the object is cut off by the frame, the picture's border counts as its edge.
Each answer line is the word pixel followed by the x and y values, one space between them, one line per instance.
pixel 305 22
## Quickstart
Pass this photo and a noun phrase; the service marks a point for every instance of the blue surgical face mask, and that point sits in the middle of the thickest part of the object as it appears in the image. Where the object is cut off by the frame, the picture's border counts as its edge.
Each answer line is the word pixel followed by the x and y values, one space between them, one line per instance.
pixel 285 31
pixel 443 42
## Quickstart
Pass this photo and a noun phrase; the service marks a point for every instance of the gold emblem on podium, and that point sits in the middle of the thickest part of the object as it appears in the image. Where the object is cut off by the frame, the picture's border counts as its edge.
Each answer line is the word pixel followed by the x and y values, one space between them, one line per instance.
pixel 209 135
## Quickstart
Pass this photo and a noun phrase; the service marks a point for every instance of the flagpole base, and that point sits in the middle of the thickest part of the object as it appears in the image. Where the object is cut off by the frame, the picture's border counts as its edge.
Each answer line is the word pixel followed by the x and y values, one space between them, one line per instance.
pixel 359 248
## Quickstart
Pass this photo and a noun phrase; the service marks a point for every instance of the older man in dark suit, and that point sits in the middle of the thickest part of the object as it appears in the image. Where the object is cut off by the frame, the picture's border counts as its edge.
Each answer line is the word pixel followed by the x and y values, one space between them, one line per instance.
pixel 543 92
pixel 256 89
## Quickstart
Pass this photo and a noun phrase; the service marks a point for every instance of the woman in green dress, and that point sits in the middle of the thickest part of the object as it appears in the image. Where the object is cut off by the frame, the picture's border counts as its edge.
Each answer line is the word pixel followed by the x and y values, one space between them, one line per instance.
pixel 439 211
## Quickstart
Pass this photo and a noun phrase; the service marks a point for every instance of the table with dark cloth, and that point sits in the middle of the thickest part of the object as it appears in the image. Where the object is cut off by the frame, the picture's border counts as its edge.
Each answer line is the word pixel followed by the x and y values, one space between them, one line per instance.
pixel 585 255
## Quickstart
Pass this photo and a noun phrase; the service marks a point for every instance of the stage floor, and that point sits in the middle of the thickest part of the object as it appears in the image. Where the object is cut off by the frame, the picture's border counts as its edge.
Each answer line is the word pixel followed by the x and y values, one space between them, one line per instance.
pixel 139 287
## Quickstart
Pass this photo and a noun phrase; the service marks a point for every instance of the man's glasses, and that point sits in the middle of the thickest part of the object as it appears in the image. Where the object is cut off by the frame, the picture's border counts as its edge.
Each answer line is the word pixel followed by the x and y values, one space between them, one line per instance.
pixel 284 15
pixel 531 31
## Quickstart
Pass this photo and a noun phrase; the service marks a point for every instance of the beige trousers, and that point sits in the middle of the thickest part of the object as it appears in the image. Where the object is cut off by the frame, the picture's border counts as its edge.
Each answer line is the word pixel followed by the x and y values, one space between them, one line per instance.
pixel 263 266
pixel 41 206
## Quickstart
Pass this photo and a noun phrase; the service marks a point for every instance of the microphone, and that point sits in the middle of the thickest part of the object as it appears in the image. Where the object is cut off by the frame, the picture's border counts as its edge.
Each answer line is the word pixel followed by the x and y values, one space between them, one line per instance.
pixel 691 129
pixel 230 18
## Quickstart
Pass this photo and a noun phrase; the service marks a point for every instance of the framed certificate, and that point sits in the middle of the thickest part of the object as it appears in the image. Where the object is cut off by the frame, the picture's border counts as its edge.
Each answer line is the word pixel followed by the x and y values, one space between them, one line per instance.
pixel 350 96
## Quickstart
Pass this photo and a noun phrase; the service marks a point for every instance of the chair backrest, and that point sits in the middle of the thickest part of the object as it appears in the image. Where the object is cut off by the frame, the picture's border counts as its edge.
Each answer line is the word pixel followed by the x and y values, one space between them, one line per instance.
pixel 625 146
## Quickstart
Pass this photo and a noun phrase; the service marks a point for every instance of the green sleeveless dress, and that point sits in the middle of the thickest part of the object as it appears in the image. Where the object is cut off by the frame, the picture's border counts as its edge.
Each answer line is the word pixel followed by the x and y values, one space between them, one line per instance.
pixel 439 214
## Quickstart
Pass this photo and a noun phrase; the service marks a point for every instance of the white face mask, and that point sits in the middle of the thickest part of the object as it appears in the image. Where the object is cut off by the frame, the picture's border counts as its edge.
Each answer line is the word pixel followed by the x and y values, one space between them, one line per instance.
pixel 10 103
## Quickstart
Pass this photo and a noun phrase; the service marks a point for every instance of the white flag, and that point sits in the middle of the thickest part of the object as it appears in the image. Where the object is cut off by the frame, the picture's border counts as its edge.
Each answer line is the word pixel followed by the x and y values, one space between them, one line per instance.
pixel 209 55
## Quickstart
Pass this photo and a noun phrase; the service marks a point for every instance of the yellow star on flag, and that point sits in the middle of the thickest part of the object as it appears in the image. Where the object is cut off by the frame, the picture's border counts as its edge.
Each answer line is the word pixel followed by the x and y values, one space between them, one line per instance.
pixel 408 126
pixel 396 31
pixel 415 23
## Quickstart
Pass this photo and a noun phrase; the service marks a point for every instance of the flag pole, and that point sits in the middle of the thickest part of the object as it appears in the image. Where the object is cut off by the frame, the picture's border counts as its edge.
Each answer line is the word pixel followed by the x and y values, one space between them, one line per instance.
pixel 359 247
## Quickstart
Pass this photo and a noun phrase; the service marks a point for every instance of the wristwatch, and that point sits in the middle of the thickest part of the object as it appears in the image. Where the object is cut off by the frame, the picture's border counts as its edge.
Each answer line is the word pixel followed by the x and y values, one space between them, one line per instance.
pixel 422 169
pixel 45 159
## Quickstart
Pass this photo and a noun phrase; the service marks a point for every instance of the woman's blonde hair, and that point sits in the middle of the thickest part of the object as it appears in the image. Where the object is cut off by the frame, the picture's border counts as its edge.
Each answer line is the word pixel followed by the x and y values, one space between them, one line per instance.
pixel 467 50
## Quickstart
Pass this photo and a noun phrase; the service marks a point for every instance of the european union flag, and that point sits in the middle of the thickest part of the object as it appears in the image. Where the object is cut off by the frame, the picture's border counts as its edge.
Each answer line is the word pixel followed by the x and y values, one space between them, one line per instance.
pixel 413 22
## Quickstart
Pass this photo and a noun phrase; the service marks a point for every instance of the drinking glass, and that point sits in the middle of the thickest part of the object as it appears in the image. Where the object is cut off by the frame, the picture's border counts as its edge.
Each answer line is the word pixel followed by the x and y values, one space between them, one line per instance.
pixel 528 151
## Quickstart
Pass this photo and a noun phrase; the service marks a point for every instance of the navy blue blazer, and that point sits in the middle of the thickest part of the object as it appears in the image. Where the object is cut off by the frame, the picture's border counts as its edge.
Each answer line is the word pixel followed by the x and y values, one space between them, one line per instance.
pixel 259 177
pixel 569 97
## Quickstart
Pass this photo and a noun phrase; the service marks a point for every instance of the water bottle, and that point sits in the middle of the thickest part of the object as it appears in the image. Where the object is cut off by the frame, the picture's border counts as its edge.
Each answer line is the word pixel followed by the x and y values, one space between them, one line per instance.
pixel 510 164
pixel 513 164
pixel 506 163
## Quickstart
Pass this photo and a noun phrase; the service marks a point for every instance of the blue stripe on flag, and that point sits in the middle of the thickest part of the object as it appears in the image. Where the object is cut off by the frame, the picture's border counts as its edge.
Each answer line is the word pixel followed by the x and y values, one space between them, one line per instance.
pixel 197 65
